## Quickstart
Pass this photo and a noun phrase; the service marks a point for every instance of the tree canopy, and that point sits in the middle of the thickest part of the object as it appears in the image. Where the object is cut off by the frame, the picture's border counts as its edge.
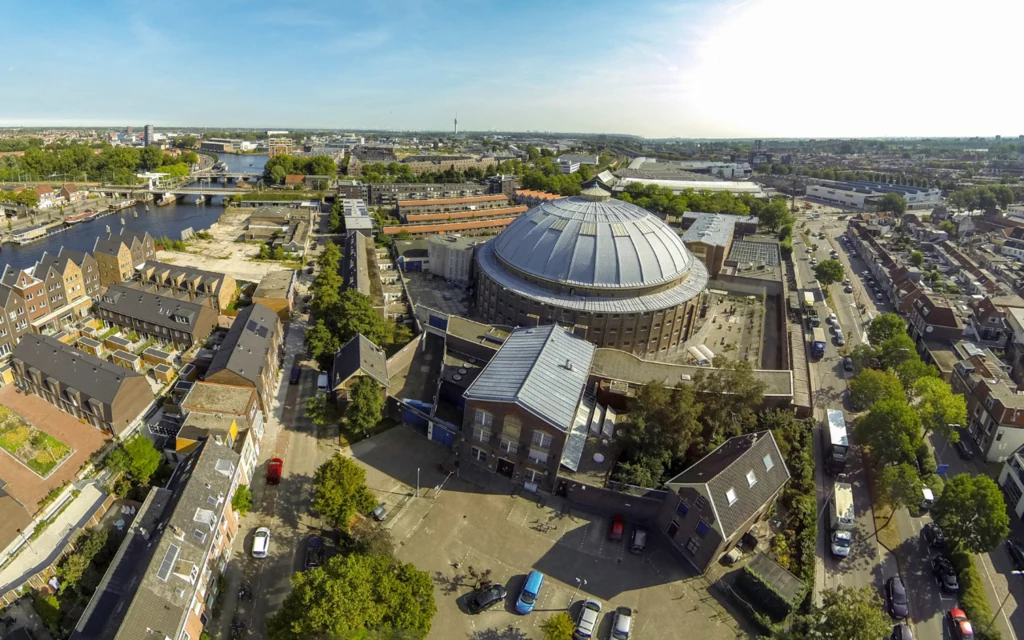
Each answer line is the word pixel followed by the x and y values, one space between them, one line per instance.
pixel 899 485
pixel 885 326
pixel 352 594
pixel 283 165
pixel 972 513
pixel 986 197
pixel 871 386
pixel 365 404
pixel 893 203
pixel 893 429
pixel 136 457
pixel 339 490
pixel 846 613
pixel 829 272
pixel 939 407
pixel 73 162
pixel 558 627
pixel 916 258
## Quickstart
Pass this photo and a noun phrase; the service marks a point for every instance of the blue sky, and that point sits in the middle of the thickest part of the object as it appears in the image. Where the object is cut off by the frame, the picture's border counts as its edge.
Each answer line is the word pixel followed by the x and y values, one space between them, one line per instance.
pixel 695 69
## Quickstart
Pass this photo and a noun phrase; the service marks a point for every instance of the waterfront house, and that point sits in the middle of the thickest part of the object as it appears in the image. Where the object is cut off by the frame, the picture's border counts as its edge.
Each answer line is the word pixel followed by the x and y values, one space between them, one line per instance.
pixel 72 194
pixel 47 196
pixel 120 253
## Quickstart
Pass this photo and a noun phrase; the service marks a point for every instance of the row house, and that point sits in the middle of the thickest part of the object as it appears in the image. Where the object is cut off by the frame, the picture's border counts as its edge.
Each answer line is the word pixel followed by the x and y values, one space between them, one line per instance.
pixel 935 318
pixel 237 408
pixel 92 390
pixel 163 581
pixel 214 289
pixel 250 353
pixel 70 193
pixel 1015 348
pixel 120 253
pixel 995 407
pixel 153 316
pixel 47 197
pixel 66 289
pixel 987 325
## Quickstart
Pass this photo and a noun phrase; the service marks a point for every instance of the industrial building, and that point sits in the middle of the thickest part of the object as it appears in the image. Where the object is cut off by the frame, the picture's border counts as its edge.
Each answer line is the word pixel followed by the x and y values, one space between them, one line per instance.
pixel 709 236
pixel 451 257
pixel 866 195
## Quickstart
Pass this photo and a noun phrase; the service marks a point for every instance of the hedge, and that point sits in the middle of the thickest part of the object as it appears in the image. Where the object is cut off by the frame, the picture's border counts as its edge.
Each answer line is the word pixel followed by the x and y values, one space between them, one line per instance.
pixel 972 595
pixel 763 595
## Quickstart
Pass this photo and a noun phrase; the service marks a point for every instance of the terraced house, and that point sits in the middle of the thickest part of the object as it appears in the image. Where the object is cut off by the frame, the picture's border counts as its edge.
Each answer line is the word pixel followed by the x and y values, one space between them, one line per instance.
pixel 162 582
pixel 249 354
pixel 150 315
pixel 119 254
pixel 215 290
pixel 95 391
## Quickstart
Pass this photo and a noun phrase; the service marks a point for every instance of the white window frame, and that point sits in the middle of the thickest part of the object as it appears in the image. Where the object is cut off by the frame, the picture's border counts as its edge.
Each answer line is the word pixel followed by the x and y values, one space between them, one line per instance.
pixel 541 440
pixel 731 497
pixel 478 454
pixel 483 418
pixel 768 462
pixel 751 478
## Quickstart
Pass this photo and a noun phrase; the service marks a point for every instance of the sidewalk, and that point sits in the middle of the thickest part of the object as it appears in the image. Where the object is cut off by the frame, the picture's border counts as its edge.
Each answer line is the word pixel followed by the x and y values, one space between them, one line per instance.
pixel 39 553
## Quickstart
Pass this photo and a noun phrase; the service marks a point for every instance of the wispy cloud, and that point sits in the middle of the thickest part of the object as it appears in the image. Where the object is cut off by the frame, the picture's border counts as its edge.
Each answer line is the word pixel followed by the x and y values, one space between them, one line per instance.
pixel 357 41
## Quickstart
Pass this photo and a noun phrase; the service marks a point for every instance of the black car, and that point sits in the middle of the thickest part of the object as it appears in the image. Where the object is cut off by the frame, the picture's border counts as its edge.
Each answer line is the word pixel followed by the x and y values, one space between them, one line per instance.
pixel 964 449
pixel 486 598
pixel 309 270
pixel 314 552
pixel 1016 552
pixel 945 574
pixel 296 374
pixel 848 364
pixel 901 632
pixel 896 597
pixel 933 534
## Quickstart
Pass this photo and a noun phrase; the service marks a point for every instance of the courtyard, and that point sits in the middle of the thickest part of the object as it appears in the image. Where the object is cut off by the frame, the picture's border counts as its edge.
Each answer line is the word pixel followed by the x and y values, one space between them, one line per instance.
pixel 477 524
pixel 734 327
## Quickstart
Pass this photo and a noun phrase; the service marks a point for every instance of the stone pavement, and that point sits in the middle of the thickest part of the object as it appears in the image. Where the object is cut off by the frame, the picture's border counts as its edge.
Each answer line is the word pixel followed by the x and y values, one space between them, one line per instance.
pixel 39 553
pixel 25 618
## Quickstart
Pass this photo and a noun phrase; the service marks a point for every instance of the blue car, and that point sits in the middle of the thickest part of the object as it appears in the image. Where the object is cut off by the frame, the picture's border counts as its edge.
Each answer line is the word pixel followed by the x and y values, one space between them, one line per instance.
pixel 528 596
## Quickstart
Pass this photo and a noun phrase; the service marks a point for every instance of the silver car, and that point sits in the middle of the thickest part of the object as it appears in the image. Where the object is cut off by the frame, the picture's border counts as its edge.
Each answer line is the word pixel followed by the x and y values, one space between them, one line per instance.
pixel 587 622
pixel 622 624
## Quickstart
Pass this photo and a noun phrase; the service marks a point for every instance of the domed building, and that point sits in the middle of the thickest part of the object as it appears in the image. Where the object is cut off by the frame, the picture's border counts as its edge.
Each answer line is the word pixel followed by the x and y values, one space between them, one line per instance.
pixel 616 273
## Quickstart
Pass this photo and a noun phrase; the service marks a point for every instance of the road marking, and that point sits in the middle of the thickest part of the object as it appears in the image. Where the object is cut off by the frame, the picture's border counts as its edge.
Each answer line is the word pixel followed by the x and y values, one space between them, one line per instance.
pixel 1006 619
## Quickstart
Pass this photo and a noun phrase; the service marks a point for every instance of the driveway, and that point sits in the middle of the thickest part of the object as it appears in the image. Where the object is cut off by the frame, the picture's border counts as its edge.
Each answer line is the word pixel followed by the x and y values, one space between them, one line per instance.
pixel 464 527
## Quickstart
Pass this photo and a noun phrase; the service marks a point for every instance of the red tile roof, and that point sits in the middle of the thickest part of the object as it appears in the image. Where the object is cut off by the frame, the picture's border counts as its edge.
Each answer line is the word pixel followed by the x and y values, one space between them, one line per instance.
pixel 294 179
pixel 456 215
pixel 445 228
pixel 443 201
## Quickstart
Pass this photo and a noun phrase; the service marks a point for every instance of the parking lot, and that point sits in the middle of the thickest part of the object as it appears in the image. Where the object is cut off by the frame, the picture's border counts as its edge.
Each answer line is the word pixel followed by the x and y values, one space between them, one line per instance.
pixel 478 525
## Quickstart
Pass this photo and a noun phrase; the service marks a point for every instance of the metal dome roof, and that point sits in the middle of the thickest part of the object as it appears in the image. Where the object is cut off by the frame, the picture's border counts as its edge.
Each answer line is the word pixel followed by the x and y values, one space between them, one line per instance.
pixel 594 243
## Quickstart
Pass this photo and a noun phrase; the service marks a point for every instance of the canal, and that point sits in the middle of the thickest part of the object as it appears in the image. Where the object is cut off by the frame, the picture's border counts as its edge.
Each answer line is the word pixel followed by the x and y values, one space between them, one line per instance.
pixel 168 221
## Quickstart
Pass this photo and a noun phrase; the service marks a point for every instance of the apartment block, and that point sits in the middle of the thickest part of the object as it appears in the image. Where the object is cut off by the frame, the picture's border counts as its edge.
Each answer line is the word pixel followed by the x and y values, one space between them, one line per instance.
pixel 213 289
pixel 119 254
pixel 249 355
pixel 151 315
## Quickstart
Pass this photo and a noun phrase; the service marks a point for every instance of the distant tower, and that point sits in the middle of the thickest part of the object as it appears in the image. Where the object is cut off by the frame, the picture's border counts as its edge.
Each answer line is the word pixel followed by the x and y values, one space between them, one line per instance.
pixel 456 124
pixel 148 135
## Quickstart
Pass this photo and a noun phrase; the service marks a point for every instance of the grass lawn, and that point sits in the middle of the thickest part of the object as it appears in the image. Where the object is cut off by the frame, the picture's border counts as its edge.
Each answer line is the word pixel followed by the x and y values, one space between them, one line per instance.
pixel 39 451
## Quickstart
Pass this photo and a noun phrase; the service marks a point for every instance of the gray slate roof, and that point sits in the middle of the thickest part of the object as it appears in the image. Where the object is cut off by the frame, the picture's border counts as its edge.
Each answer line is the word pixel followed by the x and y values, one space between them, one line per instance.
pixel 132 597
pixel 360 354
pixel 605 243
pixel 112 243
pixel 726 468
pixel 162 311
pixel 208 277
pixel 530 370
pixel 92 376
pixel 245 347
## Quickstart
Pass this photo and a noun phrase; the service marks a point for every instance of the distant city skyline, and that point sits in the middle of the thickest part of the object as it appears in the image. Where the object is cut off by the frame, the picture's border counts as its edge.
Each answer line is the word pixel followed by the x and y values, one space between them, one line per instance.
pixel 715 69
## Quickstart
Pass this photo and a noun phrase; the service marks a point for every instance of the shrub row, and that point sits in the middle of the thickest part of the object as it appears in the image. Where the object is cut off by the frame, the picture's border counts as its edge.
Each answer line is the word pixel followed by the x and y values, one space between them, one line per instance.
pixel 972 595
pixel 798 499
pixel 763 595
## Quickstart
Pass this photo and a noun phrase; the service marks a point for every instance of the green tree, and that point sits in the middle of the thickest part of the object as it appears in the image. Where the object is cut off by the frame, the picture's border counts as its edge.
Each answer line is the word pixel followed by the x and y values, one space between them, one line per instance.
pixel 277 174
pixel 365 404
pixel 884 327
pixel 322 166
pixel 940 409
pixel 916 258
pixel 136 457
pixel 71 569
pixel 871 386
pixel 369 538
pixel 972 513
pixel 948 227
pixel 320 410
pixel 913 369
pixel 899 485
pixel 662 424
pixel 829 272
pixel 893 203
pixel 334 221
pixel 775 214
pixel 355 314
pixel 340 492
pixel 150 158
pixel 242 500
pixel 322 344
pixel 730 395
pixel 896 350
pixel 356 593
pixel 846 613
pixel 893 430
pixel 558 627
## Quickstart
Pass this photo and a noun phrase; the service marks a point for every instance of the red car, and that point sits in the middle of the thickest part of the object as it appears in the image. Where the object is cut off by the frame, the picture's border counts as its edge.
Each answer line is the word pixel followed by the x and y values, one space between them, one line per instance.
pixel 617 528
pixel 962 629
pixel 274 471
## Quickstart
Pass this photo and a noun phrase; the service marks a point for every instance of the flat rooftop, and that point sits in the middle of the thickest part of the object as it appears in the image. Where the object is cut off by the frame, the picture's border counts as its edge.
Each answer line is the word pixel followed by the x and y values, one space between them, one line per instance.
pixel 275 284
pixel 222 398
pixel 616 365
pixel 490 335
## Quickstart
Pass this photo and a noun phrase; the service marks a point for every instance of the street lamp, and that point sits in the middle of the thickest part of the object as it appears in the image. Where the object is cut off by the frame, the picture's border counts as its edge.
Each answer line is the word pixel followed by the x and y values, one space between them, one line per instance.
pixel 579 583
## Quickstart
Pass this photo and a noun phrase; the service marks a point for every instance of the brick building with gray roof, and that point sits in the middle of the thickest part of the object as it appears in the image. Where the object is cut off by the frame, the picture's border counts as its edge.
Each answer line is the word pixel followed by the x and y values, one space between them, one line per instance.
pixel 161 583
pixel 103 394
pixel 152 315
pixel 720 497
pixel 248 356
